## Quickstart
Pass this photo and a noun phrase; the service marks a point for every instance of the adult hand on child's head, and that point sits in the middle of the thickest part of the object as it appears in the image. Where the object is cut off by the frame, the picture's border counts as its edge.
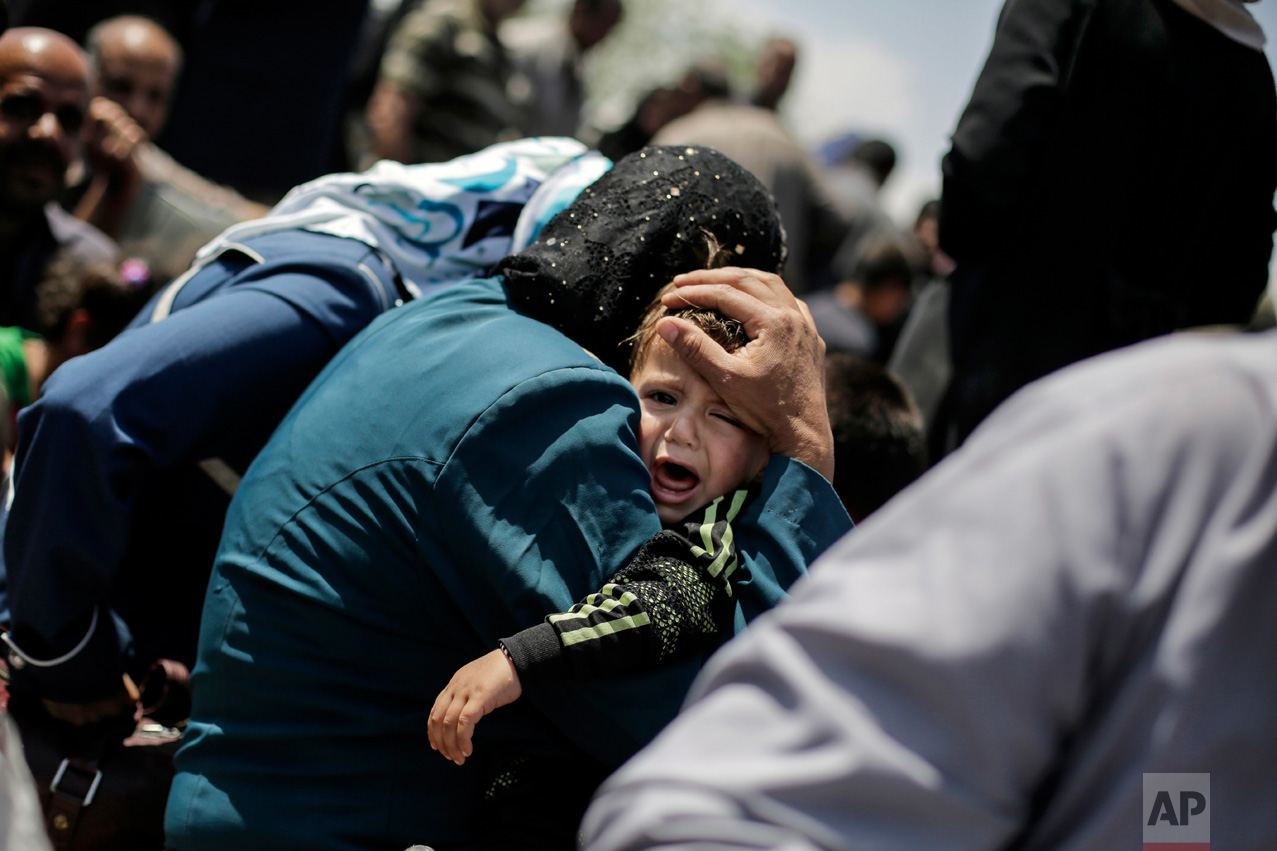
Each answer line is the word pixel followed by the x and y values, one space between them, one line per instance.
pixel 776 383
pixel 478 688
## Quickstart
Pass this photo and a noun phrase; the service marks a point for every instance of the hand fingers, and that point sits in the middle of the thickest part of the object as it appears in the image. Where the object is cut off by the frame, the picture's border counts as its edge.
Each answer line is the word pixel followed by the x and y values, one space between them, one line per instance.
pixel 464 730
pixel 118 147
pixel 110 112
pixel 743 294
pixel 816 351
pixel 694 346
pixel 703 354
pixel 806 312
pixel 762 285
pixel 109 117
pixel 103 110
pixel 818 342
pixel 113 129
pixel 434 725
pixel 757 299
pixel 754 312
pixel 441 728
pixel 451 745
pixel 451 724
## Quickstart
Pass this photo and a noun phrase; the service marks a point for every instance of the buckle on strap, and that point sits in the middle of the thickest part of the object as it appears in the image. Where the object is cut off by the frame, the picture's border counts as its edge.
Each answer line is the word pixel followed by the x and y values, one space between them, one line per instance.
pixel 82 768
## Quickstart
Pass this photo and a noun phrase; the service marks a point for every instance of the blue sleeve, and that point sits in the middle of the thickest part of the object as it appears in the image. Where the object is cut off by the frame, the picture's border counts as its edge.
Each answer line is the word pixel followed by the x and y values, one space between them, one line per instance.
pixel 211 380
pixel 793 520
pixel 547 497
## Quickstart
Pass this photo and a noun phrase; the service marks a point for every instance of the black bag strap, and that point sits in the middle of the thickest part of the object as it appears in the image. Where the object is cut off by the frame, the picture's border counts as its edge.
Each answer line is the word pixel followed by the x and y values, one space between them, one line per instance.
pixel 73 788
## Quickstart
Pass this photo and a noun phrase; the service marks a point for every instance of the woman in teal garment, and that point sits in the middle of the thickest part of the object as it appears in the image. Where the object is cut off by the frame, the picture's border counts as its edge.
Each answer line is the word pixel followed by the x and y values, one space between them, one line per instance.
pixel 463 467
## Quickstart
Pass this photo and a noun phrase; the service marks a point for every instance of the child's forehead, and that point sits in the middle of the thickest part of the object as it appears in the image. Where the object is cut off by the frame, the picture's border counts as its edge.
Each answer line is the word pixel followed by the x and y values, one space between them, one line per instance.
pixel 663 364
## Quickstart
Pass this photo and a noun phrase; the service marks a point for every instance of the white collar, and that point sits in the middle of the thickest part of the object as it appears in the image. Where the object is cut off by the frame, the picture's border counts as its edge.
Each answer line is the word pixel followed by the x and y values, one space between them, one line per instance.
pixel 1230 17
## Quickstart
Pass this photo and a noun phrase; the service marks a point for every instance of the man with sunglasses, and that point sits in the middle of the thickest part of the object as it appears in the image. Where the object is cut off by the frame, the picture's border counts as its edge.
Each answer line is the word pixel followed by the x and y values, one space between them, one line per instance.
pixel 44 93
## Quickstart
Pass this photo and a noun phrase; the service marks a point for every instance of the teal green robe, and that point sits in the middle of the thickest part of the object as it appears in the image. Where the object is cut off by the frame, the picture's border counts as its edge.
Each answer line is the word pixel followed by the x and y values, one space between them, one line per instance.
pixel 456 473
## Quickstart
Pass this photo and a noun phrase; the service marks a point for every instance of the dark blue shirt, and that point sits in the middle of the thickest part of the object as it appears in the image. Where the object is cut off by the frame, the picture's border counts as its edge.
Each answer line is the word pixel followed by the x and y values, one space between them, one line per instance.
pixel 115 525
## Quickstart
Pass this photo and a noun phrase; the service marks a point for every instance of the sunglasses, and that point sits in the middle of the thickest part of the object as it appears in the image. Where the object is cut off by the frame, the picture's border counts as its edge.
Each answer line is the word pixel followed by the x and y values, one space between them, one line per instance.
pixel 28 107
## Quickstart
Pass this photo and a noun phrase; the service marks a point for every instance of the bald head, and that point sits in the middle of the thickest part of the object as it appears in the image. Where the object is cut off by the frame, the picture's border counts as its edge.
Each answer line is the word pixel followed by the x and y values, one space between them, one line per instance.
pixel 49 54
pixel 44 92
pixel 136 63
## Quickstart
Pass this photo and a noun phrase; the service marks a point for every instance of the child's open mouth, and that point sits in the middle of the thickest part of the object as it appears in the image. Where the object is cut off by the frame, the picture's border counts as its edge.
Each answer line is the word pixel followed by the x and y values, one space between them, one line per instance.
pixel 673 482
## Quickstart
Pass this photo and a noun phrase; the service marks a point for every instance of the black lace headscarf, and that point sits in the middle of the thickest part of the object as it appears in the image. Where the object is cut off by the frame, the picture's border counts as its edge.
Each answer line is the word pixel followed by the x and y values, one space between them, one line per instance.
pixel 599 262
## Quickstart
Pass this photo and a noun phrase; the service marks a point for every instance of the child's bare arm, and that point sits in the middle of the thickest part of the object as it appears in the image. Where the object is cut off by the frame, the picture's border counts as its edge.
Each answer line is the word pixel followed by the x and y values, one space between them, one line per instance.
pixel 672 601
pixel 474 691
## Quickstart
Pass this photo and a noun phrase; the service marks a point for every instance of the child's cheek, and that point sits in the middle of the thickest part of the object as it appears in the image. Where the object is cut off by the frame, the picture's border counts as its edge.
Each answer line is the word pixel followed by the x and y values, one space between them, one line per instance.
pixel 761 454
pixel 647 430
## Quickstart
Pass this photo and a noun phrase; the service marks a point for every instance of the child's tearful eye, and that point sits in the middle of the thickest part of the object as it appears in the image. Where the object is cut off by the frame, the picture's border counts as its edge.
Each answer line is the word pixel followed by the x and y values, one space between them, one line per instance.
pixel 662 397
pixel 731 421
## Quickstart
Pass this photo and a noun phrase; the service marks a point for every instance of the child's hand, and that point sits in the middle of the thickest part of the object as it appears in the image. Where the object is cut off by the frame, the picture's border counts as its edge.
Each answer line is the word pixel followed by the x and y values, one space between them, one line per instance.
pixel 474 691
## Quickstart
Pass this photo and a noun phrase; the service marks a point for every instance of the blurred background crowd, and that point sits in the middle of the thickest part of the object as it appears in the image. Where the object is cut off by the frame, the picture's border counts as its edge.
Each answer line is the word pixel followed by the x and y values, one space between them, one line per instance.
pixel 205 114
pixel 1107 177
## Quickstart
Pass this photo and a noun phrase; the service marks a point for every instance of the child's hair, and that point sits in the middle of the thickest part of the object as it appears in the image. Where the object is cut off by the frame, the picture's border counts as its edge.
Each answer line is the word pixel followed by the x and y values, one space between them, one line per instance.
pixel 112 293
pixel 728 333
pixel 880 443
pixel 884 259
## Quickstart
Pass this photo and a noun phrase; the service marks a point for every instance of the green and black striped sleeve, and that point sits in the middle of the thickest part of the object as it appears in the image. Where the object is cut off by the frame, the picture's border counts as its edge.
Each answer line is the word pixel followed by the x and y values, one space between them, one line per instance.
pixel 672 601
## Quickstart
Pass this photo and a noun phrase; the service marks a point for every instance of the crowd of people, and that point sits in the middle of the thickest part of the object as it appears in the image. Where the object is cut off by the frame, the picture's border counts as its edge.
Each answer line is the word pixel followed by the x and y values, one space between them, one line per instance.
pixel 413 474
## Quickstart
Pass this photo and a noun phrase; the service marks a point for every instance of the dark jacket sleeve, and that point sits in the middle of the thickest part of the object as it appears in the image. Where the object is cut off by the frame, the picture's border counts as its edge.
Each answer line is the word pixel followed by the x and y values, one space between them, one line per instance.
pixel 1010 118
pixel 175 392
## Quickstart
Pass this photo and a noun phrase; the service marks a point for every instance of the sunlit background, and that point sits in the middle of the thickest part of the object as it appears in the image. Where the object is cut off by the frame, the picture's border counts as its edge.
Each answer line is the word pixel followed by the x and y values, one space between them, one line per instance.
pixel 898 70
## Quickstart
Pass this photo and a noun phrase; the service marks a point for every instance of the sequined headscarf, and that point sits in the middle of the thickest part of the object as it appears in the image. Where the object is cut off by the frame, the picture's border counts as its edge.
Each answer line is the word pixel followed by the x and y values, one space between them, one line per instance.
pixel 599 262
